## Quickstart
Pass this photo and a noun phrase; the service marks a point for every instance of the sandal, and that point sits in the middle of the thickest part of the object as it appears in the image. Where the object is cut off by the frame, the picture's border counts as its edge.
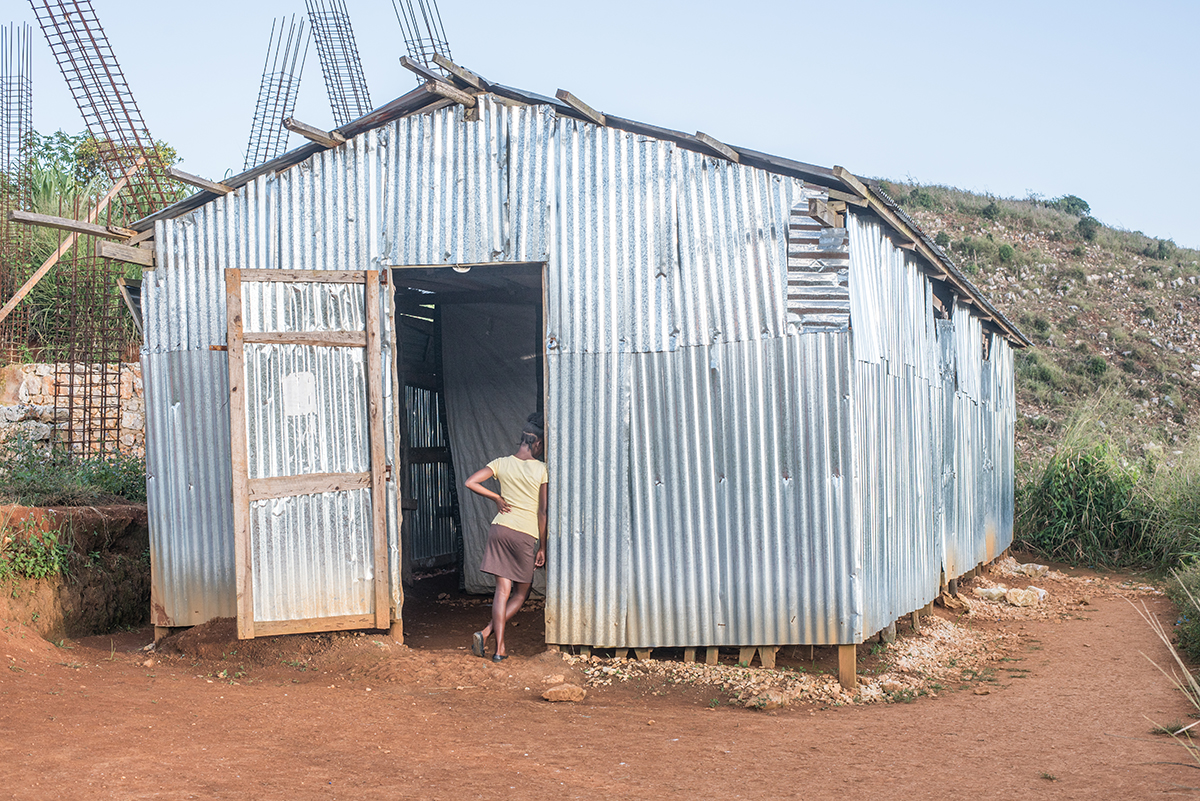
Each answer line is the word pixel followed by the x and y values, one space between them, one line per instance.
pixel 477 644
pixel 499 657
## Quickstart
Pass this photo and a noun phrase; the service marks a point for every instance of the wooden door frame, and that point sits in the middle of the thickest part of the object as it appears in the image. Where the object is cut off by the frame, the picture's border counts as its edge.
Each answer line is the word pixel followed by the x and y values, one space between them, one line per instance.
pixel 246 489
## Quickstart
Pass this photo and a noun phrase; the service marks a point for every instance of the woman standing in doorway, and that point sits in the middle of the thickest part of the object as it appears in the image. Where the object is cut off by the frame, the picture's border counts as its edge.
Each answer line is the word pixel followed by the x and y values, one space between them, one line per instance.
pixel 516 541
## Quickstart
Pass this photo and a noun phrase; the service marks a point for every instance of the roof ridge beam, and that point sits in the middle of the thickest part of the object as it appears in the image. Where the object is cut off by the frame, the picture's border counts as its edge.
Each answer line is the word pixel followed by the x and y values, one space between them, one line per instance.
pixel 446 90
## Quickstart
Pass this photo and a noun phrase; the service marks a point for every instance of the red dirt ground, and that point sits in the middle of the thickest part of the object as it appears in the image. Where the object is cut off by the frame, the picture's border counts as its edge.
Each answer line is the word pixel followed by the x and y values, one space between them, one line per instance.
pixel 354 716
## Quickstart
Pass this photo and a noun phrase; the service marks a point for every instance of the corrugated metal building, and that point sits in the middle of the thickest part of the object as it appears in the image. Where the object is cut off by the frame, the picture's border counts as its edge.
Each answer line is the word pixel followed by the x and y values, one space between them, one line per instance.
pixel 777 413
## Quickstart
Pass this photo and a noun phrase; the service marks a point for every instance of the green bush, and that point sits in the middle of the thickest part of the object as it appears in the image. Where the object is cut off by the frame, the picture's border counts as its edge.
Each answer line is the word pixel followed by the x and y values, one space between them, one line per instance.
pixel 1095 365
pixel 1088 228
pixel 1007 253
pixel 1071 205
pixel 32 555
pixel 1086 506
pixel 1187 627
pixel 942 240
pixel 991 211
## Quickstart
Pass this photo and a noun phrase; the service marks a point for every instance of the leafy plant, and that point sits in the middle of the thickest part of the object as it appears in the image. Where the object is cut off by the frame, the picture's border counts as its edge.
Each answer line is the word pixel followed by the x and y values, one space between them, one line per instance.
pixel 37 475
pixel 1088 228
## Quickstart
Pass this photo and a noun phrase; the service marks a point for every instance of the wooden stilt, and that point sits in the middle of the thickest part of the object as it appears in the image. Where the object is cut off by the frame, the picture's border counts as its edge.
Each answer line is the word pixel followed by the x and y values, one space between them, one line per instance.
pixel 710 657
pixel 916 621
pixel 766 655
pixel 585 651
pixel 847 656
pixel 888 634
pixel 161 633
pixel 621 653
pixel 952 587
pixel 642 653
pixel 397 631
pixel 689 654
pixel 553 649
pixel 746 655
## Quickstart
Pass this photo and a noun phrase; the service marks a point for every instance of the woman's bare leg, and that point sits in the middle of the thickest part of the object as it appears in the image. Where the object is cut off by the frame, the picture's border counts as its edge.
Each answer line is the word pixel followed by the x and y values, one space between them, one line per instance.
pixel 514 597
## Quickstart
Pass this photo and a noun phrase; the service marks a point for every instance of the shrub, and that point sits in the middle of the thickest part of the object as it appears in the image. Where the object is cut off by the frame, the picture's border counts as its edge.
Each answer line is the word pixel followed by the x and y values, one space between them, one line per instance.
pixel 942 240
pixel 921 198
pixel 1079 251
pixel 991 211
pixel 1071 205
pixel 1007 253
pixel 1088 228
pixel 1095 365
pixel 1088 507
pixel 32 555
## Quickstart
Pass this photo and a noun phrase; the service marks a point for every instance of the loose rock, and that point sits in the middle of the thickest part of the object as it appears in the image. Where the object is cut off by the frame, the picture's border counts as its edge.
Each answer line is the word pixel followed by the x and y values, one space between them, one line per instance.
pixel 565 692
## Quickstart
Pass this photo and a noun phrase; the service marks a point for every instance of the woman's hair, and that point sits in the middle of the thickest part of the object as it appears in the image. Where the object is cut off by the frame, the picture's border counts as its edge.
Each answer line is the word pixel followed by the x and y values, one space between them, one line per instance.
pixel 533 430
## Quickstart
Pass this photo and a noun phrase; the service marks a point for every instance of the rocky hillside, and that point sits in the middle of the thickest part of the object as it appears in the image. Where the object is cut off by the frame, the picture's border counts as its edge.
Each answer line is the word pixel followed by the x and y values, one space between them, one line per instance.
pixel 1115 315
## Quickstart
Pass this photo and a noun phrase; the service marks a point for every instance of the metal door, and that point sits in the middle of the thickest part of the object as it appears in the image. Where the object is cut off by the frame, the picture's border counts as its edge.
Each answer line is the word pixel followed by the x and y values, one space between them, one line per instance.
pixel 307 440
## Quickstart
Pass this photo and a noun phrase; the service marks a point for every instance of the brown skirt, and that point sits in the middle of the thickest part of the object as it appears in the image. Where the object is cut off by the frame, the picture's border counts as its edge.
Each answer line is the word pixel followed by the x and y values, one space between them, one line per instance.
pixel 509 554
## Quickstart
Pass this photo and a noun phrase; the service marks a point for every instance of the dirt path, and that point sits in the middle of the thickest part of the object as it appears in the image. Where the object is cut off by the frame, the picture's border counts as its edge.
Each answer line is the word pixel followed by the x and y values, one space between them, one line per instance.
pixel 352 717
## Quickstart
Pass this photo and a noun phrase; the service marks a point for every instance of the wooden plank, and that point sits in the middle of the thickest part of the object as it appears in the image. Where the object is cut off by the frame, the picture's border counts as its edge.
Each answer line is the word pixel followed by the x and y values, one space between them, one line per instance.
pixel 270 628
pixel 84 227
pixel 916 621
pixel 746 655
pixel 819 210
pixel 450 93
pixel 621 653
pixel 460 74
pixel 313 134
pixel 306 276
pixel 585 651
pixel 847 657
pixel 847 197
pixel 319 339
pixel 888 634
pixel 711 654
pixel 689 654
pixel 197 181
pixel 422 71
pixel 243 576
pixel 119 252
pixel 577 104
pixel 642 653
pixel 261 489
pixel 139 238
pixel 69 242
pixel 374 370
pixel 766 655
pixel 720 148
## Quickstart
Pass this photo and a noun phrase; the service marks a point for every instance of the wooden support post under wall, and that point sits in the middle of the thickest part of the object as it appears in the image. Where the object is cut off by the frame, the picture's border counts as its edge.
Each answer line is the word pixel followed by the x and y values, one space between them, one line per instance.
pixel 161 633
pixel 621 653
pixel 689 654
pixel 642 653
pixel 847 658
pixel 916 621
pixel 952 587
pixel 397 631
pixel 888 634
pixel 766 655
pixel 710 657
pixel 585 651
pixel 746 655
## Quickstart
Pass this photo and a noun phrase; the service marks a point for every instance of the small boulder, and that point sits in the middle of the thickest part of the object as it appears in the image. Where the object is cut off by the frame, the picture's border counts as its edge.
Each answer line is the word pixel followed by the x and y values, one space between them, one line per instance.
pixel 991 593
pixel 769 699
pixel 565 692
pixel 1019 597
pixel 557 678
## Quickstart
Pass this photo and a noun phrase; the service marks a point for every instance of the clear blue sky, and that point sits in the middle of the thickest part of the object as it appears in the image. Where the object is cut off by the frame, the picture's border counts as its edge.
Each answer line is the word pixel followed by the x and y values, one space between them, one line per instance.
pixel 1096 99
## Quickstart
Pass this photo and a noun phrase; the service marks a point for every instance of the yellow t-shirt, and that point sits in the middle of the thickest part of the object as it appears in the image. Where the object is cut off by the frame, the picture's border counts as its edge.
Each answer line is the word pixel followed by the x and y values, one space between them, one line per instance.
pixel 520 482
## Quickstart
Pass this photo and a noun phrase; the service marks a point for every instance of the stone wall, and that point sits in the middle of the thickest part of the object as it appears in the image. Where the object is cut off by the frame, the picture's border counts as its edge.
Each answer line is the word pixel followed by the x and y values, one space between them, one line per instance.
pixel 33 402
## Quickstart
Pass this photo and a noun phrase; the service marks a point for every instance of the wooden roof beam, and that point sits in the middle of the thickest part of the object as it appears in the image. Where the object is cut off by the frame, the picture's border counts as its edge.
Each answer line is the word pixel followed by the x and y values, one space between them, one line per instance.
pixel 461 75
pixel 71 226
pixel 583 108
pixel 125 253
pixel 422 71
pixel 449 92
pixel 720 148
pixel 325 138
pixel 198 182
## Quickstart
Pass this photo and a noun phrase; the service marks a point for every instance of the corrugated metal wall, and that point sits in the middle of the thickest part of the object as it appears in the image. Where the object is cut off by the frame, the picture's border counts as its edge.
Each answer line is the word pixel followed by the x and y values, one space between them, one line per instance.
pixel 934 432
pixel 704 455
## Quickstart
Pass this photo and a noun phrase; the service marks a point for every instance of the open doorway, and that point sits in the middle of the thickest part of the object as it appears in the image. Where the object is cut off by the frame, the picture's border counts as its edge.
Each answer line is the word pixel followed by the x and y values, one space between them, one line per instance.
pixel 470 361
